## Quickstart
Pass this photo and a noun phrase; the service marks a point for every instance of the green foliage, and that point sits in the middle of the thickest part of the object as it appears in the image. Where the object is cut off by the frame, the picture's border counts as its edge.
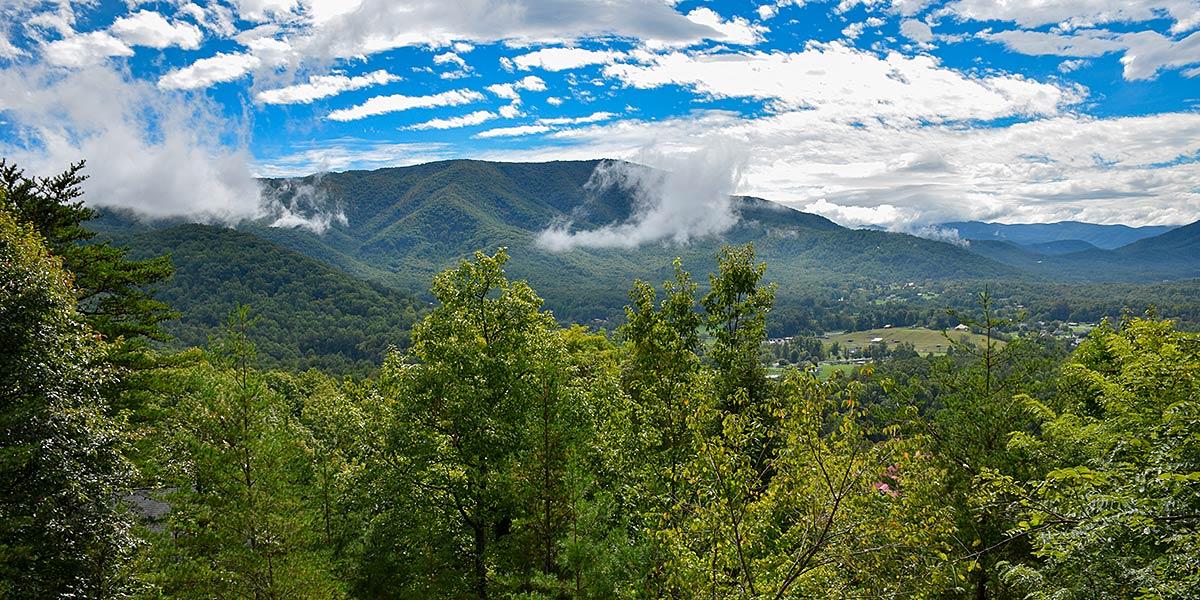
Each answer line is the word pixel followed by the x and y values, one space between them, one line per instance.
pixel 501 454
pixel 796 497
pixel 308 314
pixel 112 290
pixel 240 520
pixel 1116 513
pixel 736 308
pixel 63 529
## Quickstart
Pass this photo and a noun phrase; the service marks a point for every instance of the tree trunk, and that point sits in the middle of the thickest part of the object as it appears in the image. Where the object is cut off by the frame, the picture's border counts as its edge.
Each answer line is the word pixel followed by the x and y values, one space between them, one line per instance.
pixel 480 564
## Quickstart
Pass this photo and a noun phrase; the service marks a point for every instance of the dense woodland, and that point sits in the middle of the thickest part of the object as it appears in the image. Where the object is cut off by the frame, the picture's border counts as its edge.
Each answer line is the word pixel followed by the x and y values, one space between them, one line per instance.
pixel 495 452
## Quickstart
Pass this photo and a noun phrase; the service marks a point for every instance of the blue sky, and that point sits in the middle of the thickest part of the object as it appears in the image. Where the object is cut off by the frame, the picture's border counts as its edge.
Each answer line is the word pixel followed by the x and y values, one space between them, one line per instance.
pixel 901 112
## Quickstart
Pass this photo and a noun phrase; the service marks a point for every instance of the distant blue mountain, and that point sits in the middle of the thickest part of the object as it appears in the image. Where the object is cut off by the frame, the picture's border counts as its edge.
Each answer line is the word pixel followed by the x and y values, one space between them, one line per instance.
pixel 1107 237
pixel 1171 255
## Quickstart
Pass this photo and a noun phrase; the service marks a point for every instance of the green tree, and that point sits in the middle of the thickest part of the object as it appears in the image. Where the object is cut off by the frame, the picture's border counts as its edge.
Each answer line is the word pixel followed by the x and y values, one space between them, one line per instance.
pixel 736 310
pixel 481 386
pixel 112 290
pixel 972 415
pixel 795 497
pixel 239 524
pixel 63 528
pixel 1116 515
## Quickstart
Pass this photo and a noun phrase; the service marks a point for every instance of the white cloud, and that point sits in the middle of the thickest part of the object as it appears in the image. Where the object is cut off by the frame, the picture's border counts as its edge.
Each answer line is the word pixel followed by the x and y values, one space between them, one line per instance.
pixel 853 30
pixel 544 125
pixel 564 59
pixel 151 29
pixel 1073 14
pixel 378 25
pixel 324 86
pixel 1144 53
pixel 85 49
pixel 554 101
pixel 511 91
pixel 845 83
pixel 219 68
pixel 262 10
pixel 156 153
pixel 449 58
pixel 468 120
pixel 398 102
pixel 216 18
pixel 1068 66
pixel 916 31
pixel 595 117
pixel 736 30
pixel 520 130
pixel 687 197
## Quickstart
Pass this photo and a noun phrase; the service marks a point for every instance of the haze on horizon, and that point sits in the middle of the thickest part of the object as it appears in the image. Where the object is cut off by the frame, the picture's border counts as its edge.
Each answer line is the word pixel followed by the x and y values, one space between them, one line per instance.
pixel 901 114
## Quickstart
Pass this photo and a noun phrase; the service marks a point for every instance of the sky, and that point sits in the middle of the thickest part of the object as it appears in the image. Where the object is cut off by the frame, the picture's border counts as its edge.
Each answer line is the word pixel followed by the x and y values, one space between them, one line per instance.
pixel 900 113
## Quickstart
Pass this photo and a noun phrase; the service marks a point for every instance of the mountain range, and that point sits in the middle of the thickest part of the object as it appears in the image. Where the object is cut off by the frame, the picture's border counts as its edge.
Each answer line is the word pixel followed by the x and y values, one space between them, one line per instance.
pixel 397 227
pixel 1107 237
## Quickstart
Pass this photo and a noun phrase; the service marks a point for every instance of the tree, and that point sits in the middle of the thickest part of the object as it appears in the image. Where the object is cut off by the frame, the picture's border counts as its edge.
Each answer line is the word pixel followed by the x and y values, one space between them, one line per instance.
pixel 972 417
pixel 63 528
pixel 481 381
pixel 239 524
pixel 1116 515
pixel 111 289
pixel 793 497
pixel 736 310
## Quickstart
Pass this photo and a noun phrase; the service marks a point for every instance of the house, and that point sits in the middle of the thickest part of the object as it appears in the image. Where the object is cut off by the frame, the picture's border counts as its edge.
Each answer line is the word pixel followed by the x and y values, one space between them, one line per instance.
pixel 961 327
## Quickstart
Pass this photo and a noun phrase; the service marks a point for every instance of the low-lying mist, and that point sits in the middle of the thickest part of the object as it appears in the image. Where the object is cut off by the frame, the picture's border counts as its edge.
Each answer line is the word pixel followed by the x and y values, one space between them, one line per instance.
pixel 677 197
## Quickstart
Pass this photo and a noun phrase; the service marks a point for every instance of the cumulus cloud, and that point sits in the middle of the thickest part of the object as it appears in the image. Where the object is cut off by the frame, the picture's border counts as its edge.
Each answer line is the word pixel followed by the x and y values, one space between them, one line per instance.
pixel 686 197
pixel 220 68
pixel 151 29
pixel 511 91
pixel 565 59
pixel 916 31
pixel 86 49
pixel 157 154
pixel 399 102
pixel 468 120
pixel 842 82
pixel 324 86
pixel 378 25
pixel 736 30
pixel 1144 53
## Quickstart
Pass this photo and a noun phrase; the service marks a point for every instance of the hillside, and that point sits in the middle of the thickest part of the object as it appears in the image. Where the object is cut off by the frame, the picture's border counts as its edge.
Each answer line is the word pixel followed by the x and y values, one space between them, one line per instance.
pixel 307 313
pixel 406 224
pixel 1102 236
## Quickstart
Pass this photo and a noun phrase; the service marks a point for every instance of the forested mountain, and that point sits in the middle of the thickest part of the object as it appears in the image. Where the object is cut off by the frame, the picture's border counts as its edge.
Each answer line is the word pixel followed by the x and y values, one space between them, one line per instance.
pixel 1102 236
pixel 405 224
pixel 307 314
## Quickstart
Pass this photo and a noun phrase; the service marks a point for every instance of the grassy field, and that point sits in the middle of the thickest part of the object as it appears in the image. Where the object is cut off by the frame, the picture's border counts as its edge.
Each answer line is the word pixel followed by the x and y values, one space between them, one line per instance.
pixel 826 370
pixel 924 340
